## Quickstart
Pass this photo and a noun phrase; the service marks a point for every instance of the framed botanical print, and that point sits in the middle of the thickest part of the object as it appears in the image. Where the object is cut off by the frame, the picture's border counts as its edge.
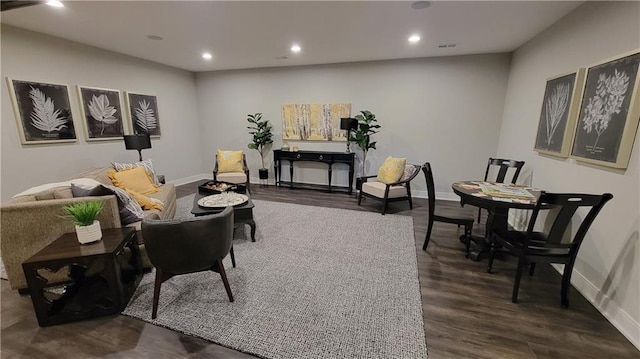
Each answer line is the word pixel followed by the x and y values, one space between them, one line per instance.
pixel 42 112
pixel 101 113
pixel 143 111
pixel 559 111
pixel 609 112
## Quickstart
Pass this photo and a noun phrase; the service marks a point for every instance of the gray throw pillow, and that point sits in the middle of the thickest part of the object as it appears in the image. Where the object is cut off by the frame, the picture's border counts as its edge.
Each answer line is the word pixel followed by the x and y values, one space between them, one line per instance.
pixel 130 210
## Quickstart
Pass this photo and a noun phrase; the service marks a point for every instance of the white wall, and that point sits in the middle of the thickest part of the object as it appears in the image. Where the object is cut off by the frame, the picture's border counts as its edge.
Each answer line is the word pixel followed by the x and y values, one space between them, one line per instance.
pixel 37 57
pixel 443 110
pixel 608 266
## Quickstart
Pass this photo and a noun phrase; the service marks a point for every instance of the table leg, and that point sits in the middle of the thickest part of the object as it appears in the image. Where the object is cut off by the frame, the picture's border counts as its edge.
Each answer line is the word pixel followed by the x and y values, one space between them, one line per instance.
pixel 497 219
pixel 252 224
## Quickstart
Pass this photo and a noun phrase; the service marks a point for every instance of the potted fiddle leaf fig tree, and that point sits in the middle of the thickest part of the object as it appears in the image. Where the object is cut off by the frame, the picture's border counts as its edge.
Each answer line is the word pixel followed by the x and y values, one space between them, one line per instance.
pixel 367 126
pixel 262 137
pixel 84 216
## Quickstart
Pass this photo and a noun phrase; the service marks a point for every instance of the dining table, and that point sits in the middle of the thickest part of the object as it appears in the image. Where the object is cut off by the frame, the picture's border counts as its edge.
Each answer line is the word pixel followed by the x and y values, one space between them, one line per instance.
pixel 497 199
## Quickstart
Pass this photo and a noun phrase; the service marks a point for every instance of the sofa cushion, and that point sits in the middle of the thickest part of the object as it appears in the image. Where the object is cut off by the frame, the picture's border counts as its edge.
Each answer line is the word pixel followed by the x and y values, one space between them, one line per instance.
pixel 100 174
pixel 146 202
pixel 146 164
pixel 130 210
pixel 135 179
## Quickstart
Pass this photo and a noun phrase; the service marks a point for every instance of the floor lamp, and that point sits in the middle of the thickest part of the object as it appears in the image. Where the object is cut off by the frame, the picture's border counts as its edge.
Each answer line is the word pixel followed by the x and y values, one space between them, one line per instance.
pixel 137 142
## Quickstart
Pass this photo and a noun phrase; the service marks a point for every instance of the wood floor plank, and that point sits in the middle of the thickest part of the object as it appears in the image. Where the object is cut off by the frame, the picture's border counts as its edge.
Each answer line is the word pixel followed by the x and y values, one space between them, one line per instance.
pixel 467 312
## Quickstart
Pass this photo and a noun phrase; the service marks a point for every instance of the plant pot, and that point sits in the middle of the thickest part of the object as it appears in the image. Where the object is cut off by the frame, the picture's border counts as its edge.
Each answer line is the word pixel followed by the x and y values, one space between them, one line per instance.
pixel 90 233
pixel 263 173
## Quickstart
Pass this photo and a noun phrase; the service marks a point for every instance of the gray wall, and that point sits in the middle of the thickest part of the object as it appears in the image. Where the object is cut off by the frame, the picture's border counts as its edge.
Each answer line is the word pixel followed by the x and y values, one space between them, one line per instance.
pixel 443 110
pixel 36 57
pixel 608 266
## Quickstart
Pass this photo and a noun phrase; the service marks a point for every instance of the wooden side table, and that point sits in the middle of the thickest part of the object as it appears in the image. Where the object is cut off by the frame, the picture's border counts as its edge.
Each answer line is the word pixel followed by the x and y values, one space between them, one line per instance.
pixel 102 276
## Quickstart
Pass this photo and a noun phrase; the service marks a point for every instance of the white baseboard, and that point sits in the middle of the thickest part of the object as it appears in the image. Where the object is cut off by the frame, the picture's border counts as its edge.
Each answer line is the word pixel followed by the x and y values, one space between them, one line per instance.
pixel 610 309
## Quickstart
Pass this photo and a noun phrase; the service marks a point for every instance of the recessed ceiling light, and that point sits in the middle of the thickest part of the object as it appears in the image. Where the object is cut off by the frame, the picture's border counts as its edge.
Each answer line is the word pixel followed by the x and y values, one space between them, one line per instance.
pixel 154 37
pixel 296 48
pixel 207 56
pixel 55 3
pixel 421 5
pixel 414 38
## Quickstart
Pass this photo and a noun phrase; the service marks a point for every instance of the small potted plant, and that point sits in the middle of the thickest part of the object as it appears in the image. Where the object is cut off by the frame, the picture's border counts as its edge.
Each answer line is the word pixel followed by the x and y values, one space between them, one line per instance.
pixel 262 136
pixel 84 217
pixel 367 126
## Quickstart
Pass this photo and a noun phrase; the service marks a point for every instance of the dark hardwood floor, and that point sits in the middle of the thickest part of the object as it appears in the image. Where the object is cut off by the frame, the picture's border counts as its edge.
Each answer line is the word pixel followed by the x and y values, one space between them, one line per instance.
pixel 467 312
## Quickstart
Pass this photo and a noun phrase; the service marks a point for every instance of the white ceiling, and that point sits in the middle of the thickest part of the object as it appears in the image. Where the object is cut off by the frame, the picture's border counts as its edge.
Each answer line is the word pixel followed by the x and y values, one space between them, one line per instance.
pixel 243 34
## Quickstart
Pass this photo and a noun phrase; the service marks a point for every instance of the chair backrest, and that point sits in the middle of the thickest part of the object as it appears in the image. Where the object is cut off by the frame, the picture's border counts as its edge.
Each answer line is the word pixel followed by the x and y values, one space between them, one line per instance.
pixel 431 190
pixel 568 204
pixel 180 246
pixel 504 165
pixel 410 172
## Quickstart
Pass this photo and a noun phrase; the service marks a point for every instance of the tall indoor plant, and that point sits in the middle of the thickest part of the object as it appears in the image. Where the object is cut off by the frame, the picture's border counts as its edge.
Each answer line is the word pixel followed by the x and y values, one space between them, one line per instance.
pixel 367 126
pixel 84 216
pixel 262 136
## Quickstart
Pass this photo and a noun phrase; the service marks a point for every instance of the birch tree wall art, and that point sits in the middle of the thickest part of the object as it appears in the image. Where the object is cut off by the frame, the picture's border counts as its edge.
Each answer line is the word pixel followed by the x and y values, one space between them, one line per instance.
pixel 143 111
pixel 609 113
pixel 314 122
pixel 101 113
pixel 42 112
pixel 559 110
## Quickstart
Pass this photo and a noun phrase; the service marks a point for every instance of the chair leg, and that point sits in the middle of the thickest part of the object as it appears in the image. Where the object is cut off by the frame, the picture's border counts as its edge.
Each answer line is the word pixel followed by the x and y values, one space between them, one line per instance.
pixel 479 214
pixel 428 236
pixel 384 206
pixel 516 282
pixel 532 268
pixel 233 257
pixel 225 281
pixel 156 293
pixel 566 283
pixel 359 196
pixel 409 196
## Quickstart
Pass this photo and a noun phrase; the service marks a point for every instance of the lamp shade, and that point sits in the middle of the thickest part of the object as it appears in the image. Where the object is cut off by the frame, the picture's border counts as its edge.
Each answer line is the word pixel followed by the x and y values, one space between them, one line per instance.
pixel 348 123
pixel 137 142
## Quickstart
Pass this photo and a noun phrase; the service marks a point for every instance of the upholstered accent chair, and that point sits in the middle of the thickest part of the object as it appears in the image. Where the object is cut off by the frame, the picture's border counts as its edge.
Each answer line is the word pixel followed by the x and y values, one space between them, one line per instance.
pixel 237 177
pixel 183 246
pixel 389 192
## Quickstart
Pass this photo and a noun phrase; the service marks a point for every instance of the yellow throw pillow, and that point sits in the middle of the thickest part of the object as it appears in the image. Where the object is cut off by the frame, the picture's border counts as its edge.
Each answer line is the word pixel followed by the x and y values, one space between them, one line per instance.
pixel 135 179
pixel 145 202
pixel 230 161
pixel 391 170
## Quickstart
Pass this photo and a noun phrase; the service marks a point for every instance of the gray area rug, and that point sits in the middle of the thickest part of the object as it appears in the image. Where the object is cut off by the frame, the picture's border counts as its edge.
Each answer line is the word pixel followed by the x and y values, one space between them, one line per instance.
pixel 317 283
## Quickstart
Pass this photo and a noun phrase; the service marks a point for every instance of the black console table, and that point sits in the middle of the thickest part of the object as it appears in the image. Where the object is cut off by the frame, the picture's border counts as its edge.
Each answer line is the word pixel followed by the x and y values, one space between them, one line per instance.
pixel 312 156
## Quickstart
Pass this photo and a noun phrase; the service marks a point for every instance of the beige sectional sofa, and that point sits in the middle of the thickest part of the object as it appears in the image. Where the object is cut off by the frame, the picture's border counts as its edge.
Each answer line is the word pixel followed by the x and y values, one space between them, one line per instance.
pixel 30 222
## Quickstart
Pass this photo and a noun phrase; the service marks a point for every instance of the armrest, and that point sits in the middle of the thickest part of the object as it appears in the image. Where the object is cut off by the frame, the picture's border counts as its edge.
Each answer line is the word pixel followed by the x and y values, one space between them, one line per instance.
pixel 244 164
pixel 27 227
pixel 365 178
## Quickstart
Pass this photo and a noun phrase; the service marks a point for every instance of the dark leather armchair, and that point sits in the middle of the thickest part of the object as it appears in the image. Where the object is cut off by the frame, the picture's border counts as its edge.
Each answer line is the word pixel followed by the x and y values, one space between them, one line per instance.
pixel 460 216
pixel 389 192
pixel 233 177
pixel 182 246
pixel 502 165
pixel 533 247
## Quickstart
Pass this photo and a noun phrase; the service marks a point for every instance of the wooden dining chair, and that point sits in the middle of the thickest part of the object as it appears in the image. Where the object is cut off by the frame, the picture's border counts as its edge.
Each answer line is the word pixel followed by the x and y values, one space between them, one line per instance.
pixel 533 247
pixel 502 165
pixel 461 216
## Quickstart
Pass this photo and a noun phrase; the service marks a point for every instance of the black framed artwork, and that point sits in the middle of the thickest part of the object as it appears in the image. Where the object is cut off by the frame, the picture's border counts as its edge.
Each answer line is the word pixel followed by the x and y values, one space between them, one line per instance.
pixel 609 112
pixel 42 112
pixel 101 113
pixel 559 111
pixel 143 111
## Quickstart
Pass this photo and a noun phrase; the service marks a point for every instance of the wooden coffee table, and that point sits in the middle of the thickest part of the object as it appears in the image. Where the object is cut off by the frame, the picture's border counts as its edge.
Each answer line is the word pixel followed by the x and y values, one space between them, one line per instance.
pixel 243 214
pixel 102 276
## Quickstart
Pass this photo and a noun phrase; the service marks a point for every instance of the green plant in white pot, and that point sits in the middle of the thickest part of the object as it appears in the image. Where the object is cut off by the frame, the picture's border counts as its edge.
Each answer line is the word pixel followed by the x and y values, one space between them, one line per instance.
pixel 84 216
pixel 260 130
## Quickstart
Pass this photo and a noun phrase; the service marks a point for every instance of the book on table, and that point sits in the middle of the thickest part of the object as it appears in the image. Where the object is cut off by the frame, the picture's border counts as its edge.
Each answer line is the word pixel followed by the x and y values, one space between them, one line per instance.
pixel 505 190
